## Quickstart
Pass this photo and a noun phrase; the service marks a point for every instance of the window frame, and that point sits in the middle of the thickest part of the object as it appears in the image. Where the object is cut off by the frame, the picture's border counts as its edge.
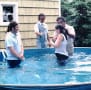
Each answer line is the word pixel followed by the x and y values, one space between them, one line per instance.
pixel 15 14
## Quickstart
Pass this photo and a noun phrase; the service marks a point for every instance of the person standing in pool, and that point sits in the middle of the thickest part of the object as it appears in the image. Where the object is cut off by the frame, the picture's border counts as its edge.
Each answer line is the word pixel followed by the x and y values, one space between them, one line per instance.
pixel 41 31
pixel 60 44
pixel 70 34
pixel 14 46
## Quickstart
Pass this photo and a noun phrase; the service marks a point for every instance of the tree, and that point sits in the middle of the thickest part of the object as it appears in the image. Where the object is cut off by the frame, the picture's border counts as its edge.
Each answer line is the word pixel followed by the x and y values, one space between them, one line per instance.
pixel 78 14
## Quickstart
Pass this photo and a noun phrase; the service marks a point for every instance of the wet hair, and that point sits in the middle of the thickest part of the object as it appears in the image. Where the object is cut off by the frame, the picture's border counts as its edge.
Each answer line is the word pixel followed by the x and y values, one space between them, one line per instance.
pixel 62 30
pixel 11 26
pixel 61 18
pixel 41 14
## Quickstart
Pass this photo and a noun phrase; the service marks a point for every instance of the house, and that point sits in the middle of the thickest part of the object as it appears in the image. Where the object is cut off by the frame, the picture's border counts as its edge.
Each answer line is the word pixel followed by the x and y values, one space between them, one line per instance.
pixel 25 12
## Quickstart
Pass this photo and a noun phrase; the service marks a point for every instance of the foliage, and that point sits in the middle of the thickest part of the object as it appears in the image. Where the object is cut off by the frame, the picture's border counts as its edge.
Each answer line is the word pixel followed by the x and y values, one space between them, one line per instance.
pixel 78 14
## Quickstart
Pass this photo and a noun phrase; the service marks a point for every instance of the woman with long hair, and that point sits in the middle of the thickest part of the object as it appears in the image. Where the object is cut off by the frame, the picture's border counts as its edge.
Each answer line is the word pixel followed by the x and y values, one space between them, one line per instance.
pixel 60 44
pixel 14 46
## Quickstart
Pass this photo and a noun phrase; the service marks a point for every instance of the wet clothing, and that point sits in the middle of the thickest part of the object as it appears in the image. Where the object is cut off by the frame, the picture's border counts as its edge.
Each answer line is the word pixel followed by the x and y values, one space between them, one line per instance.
pixel 61 52
pixel 61 59
pixel 62 48
pixel 70 46
pixel 41 40
pixel 13 63
pixel 70 40
pixel 14 41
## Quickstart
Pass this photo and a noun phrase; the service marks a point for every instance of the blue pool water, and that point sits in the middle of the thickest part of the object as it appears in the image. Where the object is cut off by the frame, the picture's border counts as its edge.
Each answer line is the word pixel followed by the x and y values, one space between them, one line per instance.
pixel 41 67
pixel 44 69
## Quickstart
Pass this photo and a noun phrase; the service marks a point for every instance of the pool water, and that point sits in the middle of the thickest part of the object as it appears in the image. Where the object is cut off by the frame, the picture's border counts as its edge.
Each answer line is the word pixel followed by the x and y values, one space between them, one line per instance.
pixel 44 69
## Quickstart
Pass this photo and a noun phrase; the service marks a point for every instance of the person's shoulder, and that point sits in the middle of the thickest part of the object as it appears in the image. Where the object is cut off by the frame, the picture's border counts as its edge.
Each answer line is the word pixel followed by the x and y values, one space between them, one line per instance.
pixel 37 24
pixel 69 26
pixel 45 23
pixel 61 35
pixel 46 26
pixel 8 36
pixel 19 34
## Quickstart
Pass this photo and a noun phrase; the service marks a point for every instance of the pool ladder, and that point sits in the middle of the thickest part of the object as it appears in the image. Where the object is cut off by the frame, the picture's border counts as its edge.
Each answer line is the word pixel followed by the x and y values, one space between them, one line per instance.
pixel 3 58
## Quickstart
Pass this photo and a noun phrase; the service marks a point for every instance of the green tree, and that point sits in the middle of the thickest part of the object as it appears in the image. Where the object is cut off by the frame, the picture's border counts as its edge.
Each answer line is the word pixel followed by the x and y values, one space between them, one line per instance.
pixel 79 15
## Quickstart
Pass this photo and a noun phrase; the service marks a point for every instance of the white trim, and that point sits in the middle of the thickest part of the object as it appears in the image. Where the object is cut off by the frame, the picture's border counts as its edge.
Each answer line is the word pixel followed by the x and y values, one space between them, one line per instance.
pixel 59 7
pixel 45 85
pixel 15 5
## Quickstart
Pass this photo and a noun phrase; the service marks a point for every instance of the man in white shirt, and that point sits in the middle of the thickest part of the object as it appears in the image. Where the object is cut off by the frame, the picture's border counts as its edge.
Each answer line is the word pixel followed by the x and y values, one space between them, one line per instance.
pixel 41 31
pixel 70 34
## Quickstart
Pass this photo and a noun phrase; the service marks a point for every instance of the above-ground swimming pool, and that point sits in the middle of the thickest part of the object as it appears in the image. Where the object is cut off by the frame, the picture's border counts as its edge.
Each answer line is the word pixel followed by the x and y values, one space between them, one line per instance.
pixel 40 71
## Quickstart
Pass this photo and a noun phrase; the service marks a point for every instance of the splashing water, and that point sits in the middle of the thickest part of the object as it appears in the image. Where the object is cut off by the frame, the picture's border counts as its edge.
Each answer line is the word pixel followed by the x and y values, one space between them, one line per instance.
pixel 45 70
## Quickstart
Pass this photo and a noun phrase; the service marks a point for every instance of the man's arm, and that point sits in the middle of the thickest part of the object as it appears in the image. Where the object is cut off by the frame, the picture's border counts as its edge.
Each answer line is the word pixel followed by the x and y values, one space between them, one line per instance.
pixel 36 29
pixel 13 51
pixel 71 32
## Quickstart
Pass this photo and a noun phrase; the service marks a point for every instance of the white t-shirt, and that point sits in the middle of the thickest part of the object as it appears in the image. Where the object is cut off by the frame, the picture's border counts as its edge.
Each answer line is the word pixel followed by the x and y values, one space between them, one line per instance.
pixel 14 41
pixel 70 41
pixel 70 29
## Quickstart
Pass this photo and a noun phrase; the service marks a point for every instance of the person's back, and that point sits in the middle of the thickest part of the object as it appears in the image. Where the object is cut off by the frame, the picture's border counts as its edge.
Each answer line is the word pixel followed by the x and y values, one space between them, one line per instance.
pixel 62 48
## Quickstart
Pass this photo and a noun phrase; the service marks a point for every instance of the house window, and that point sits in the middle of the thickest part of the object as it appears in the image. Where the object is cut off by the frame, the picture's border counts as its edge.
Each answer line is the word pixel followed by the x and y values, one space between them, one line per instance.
pixel 9 12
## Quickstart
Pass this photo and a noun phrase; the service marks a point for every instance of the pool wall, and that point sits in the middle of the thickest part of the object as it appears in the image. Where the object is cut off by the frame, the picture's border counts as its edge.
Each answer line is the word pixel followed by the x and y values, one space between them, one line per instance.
pixel 39 52
pixel 86 86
